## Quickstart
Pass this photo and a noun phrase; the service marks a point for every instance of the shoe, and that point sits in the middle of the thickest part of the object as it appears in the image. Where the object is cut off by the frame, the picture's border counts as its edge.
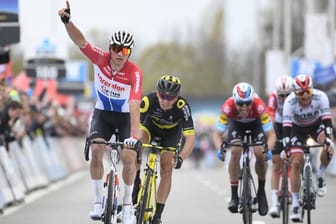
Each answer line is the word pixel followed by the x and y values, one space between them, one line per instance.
pixel 156 220
pixel 127 214
pixel 262 202
pixel 233 205
pixel 295 215
pixel 96 212
pixel 274 212
pixel 321 187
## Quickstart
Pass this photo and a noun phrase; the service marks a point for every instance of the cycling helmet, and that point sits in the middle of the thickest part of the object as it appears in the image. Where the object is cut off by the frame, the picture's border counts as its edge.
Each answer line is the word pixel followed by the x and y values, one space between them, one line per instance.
pixel 122 38
pixel 302 83
pixel 243 92
pixel 284 84
pixel 169 85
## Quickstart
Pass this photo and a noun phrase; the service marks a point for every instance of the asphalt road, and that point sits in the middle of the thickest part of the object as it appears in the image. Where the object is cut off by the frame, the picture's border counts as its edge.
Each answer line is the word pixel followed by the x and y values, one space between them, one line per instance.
pixel 199 196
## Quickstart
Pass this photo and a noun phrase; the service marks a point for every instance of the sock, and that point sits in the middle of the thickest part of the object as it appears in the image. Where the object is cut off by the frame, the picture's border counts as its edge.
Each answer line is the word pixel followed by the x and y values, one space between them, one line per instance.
pixel 97 186
pixel 261 184
pixel 234 189
pixel 159 210
pixel 275 197
pixel 321 171
pixel 295 199
pixel 128 194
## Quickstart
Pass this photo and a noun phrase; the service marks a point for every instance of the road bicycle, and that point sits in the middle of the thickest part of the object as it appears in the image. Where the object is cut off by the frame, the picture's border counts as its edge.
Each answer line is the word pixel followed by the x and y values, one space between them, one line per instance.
pixel 284 194
pixel 247 189
pixel 308 186
pixel 146 202
pixel 110 204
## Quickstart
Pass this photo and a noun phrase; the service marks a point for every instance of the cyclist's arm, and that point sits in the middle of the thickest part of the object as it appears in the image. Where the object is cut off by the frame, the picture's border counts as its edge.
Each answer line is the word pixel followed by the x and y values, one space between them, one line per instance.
pixel 75 34
pixel 135 118
pixel 188 146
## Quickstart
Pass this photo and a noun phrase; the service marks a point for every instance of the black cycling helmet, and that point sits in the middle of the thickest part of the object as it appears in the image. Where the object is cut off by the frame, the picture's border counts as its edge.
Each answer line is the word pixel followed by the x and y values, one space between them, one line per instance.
pixel 169 85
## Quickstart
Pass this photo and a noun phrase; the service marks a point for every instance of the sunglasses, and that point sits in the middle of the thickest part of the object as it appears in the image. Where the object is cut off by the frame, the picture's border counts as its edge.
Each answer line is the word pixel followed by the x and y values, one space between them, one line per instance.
pixel 301 93
pixel 124 50
pixel 283 95
pixel 241 104
pixel 167 97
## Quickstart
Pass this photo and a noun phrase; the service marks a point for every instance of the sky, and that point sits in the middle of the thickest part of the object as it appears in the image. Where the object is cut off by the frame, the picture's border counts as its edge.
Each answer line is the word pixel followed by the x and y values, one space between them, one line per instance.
pixel 150 21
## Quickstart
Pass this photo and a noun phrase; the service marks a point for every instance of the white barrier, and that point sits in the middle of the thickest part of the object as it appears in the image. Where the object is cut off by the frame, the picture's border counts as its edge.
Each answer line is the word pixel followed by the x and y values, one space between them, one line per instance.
pixel 6 195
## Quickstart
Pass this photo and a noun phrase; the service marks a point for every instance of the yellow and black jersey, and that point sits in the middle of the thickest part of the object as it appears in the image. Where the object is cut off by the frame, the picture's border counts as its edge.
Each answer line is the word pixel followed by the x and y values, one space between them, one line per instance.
pixel 165 122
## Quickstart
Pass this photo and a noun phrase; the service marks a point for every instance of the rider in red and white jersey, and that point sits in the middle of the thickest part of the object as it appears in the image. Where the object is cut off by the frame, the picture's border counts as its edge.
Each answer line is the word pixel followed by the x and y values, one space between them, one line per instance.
pixel 245 111
pixel 118 84
pixel 306 113
pixel 283 87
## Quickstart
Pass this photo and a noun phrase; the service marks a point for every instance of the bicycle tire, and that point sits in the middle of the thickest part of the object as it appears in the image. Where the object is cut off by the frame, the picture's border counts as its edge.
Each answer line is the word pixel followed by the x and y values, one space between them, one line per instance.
pixel 246 193
pixel 284 199
pixel 143 198
pixel 308 195
pixel 109 203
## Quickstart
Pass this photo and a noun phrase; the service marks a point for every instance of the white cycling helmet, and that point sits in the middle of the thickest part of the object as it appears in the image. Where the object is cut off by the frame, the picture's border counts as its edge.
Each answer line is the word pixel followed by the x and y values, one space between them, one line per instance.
pixel 284 84
pixel 302 83
pixel 122 38
pixel 243 93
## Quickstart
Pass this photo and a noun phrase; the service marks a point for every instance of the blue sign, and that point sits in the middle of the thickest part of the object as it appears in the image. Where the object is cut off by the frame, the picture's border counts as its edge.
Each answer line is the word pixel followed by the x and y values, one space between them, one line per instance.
pixel 324 75
pixel 304 66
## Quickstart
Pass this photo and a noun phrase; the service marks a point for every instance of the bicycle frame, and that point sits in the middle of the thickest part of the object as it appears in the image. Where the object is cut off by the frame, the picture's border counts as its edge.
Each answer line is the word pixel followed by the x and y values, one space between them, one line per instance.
pixel 308 190
pixel 284 189
pixel 146 202
pixel 110 201
pixel 247 189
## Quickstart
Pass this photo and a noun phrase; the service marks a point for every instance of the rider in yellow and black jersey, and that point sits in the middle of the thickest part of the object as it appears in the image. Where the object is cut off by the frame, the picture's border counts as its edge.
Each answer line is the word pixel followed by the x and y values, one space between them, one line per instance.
pixel 167 115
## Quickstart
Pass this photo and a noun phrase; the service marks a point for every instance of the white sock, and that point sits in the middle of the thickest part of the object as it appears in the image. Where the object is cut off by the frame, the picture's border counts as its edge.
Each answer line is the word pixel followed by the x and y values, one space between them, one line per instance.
pixel 295 199
pixel 97 186
pixel 128 194
pixel 275 197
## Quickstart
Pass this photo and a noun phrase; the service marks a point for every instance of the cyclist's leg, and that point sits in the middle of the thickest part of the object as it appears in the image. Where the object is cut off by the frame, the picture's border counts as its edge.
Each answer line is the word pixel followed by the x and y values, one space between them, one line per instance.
pixel 276 164
pixel 324 162
pixel 166 171
pixel 235 135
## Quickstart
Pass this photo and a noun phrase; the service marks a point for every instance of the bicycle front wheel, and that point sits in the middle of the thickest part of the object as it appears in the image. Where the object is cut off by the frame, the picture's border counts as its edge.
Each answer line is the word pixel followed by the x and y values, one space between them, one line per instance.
pixel 246 196
pixel 143 198
pixel 309 194
pixel 109 203
pixel 284 198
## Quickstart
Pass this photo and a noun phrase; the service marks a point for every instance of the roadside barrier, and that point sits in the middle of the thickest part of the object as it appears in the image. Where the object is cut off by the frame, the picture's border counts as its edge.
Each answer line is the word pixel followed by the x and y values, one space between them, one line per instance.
pixel 29 165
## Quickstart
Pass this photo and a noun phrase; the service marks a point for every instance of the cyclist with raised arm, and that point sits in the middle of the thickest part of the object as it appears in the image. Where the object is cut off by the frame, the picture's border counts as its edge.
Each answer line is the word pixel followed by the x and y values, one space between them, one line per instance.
pixel 306 113
pixel 118 84
pixel 245 111
pixel 167 115
pixel 283 87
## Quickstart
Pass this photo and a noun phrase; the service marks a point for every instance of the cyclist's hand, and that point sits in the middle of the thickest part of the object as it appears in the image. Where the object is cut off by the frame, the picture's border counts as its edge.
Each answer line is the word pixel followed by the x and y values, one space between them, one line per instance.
pixel 178 162
pixel 221 154
pixel 131 142
pixel 65 13
pixel 267 154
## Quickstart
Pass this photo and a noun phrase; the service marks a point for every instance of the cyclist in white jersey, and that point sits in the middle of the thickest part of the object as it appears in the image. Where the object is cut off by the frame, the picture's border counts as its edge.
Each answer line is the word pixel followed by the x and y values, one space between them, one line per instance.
pixel 306 113
pixel 118 84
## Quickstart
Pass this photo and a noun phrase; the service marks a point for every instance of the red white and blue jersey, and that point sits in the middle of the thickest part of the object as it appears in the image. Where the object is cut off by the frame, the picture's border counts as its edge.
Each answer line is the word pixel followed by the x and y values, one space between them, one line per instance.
pixel 304 116
pixel 114 89
pixel 257 112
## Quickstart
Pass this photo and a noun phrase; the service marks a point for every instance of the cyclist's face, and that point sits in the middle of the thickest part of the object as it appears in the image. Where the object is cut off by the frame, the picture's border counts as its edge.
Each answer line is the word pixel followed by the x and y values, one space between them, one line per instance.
pixel 119 56
pixel 166 102
pixel 243 109
pixel 282 97
pixel 304 97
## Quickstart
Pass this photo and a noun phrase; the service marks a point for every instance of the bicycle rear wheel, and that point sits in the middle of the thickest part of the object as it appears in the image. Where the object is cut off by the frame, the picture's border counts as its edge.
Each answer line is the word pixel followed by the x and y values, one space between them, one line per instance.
pixel 110 203
pixel 246 196
pixel 143 198
pixel 284 198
